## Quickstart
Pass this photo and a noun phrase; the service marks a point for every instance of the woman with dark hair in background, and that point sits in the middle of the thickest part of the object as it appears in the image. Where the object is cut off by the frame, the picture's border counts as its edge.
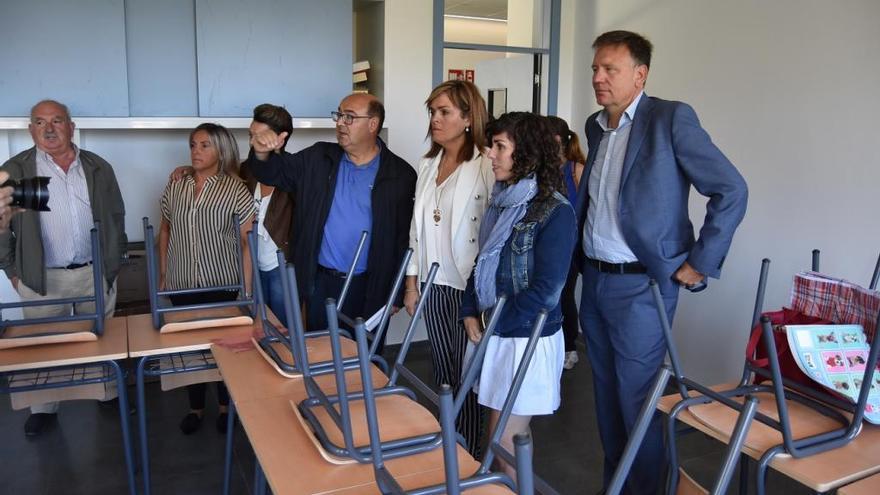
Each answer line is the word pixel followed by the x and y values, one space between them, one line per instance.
pixel 572 159
pixel 197 241
pixel 452 192
pixel 526 241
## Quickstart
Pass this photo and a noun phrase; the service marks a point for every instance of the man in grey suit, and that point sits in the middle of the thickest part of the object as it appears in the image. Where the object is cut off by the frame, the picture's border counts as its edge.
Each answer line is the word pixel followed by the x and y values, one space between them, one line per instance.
pixel 644 155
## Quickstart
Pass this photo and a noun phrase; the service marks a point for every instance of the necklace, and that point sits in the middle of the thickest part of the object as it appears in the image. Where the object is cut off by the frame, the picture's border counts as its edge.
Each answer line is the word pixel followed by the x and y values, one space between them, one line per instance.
pixel 438 195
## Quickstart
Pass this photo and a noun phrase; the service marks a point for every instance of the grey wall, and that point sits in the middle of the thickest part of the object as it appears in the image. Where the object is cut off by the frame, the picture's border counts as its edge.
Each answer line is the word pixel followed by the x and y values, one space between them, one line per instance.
pixel 213 58
pixel 295 53
pixel 787 89
pixel 76 55
pixel 161 58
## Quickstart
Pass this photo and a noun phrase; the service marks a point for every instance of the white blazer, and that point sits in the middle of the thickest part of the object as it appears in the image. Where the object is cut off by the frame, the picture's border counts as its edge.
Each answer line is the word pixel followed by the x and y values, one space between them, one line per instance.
pixel 472 190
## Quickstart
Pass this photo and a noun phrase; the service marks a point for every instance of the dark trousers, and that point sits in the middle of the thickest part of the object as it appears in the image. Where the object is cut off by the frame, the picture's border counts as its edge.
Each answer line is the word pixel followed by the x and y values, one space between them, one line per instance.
pixel 626 348
pixel 197 391
pixel 328 284
pixel 448 340
pixel 273 294
pixel 570 320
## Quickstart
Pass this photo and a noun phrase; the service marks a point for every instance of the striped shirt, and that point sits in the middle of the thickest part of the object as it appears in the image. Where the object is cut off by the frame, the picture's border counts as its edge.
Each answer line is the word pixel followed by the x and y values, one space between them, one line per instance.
pixel 202 250
pixel 65 229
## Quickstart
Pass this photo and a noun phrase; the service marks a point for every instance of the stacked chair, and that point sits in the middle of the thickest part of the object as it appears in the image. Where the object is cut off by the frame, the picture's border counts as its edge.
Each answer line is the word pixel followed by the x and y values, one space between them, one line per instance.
pixel 347 395
pixel 181 318
pixel 67 329
pixel 83 327
pixel 169 319
pixel 286 351
pixel 807 421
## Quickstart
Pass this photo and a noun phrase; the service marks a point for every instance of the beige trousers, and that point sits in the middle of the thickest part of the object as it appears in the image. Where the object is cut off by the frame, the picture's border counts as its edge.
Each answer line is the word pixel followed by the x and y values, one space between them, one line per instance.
pixel 63 283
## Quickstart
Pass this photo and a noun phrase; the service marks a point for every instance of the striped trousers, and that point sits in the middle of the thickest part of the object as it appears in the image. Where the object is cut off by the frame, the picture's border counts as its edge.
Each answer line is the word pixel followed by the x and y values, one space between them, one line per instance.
pixel 448 340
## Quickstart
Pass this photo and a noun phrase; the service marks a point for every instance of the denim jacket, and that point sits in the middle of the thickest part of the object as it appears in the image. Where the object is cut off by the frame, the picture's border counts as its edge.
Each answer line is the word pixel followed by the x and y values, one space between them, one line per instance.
pixel 532 269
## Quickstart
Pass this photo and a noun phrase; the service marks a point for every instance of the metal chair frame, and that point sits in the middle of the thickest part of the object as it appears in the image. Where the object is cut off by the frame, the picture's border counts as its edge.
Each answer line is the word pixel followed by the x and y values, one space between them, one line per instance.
pixel 157 311
pixel 295 339
pixel 449 409
pixel 782 388
pixel 98 298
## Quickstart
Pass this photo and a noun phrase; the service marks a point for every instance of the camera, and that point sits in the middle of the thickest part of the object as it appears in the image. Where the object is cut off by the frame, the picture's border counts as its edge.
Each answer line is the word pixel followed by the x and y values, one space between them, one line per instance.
pixel 30 194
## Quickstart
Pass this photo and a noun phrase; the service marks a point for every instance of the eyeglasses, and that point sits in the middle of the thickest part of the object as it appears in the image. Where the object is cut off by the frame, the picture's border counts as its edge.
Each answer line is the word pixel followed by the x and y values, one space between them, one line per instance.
pixel 347 118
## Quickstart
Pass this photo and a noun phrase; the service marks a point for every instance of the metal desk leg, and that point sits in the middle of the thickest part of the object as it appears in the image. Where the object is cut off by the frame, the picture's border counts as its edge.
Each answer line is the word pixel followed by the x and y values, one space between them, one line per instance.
pixel 230 431
pixel 142 425
pixel 124 421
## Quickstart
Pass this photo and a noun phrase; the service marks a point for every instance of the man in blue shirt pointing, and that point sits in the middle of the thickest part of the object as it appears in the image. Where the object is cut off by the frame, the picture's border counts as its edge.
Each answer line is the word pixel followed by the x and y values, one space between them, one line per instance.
pixel 342 189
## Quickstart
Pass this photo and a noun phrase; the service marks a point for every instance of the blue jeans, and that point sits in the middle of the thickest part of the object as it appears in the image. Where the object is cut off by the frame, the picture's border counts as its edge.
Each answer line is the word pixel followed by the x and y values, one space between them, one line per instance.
pixel 270 282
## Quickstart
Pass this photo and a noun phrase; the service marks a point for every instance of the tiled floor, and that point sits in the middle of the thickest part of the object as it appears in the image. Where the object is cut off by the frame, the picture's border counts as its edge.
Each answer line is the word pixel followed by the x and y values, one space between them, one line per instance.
pixel 82 453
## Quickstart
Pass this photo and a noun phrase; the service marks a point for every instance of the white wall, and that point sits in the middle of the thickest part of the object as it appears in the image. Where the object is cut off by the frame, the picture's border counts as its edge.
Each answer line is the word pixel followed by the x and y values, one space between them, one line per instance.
pixel 471 31
pixel 787 89
pixel 513 73
pixel 408 41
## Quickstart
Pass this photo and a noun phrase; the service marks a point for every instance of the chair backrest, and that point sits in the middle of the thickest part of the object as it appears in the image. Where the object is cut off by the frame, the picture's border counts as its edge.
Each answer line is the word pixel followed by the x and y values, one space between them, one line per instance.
pixel 154 293
pixel 782 388
pixel 97 298
pixel 469 374
pixel 448 412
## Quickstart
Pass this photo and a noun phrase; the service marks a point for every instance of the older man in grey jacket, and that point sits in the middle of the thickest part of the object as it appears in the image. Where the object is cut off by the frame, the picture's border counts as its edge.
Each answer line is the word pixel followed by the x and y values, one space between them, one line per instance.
pixel 47 255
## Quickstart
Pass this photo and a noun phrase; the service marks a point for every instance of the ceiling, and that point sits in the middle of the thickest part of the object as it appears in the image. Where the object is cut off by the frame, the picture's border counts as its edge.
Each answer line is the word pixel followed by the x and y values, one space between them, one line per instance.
pixel 493 9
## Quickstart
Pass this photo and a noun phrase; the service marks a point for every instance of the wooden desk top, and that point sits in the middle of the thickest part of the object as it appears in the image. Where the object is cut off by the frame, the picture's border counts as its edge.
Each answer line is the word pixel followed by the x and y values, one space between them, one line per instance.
pixel 113 344
pixel 821 472
pixel 293 466
pixel 867 486
pixel 144 340
pixel 249 377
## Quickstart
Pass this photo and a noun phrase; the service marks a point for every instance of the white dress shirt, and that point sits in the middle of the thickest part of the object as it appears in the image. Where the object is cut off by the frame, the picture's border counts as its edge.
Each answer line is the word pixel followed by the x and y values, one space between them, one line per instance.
pixel 602 237
pixel 66 228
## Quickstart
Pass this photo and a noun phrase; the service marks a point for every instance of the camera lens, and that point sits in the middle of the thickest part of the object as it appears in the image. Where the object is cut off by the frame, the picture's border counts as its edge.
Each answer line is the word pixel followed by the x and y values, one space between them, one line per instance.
pixel 30 194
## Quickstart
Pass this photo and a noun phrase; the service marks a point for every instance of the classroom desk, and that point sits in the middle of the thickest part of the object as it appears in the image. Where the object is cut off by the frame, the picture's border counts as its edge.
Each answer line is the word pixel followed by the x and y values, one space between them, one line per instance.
pixel 867 486
pixel 285 451
pixel 148 346
pixel 72 364
pixel 821 472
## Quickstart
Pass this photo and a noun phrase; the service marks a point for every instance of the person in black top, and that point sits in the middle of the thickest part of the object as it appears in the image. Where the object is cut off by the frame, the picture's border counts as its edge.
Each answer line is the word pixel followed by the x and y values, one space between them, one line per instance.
pixel 356 184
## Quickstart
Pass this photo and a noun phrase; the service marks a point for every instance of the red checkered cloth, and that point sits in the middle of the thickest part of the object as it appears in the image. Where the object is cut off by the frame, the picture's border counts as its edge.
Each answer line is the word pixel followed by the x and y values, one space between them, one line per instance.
pixel 836 300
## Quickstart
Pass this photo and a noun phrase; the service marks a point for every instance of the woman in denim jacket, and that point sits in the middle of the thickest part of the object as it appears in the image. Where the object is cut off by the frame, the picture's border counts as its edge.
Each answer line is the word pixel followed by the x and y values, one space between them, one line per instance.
pixel 526 241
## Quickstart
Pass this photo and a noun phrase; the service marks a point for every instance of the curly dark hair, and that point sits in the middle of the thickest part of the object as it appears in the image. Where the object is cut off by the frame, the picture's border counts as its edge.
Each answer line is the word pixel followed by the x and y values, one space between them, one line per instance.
pixel 535 149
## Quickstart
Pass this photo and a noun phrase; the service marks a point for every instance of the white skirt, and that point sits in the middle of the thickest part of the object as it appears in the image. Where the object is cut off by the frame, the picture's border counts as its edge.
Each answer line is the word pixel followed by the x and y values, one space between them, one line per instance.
pixel 539 393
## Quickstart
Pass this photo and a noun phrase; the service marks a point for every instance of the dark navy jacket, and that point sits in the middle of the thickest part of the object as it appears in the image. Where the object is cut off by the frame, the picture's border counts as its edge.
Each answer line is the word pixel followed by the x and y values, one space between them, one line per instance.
pixel 532 270
pixel 310 176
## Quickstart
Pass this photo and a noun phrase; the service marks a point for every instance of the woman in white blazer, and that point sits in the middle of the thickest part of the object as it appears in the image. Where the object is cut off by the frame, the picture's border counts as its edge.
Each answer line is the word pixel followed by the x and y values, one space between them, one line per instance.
pixel 452 192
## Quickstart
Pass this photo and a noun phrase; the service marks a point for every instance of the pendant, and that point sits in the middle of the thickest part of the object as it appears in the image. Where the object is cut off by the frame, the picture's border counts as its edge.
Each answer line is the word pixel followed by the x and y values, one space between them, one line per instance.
pixel 436 215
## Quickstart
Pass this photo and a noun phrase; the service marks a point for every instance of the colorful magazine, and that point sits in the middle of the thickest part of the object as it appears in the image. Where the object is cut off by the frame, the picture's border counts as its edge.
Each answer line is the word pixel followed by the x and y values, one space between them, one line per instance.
pixel 835 357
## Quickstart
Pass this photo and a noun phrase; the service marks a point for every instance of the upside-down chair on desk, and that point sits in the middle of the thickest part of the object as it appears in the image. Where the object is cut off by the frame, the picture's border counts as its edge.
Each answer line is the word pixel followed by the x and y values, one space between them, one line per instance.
pixel 790 418
pixel 169 319
pixel 60 352
pixel 188 364
pixel 285 351
pixel 340 433
pixel 83 327
pixel 461 472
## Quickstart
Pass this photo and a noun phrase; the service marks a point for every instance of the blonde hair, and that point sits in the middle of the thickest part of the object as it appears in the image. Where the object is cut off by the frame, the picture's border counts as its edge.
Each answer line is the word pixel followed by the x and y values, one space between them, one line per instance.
pixel 466 97
pixel 224 142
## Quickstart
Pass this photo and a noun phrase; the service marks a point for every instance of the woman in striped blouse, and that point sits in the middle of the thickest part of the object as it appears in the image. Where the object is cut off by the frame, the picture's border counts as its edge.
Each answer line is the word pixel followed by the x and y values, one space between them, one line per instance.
pixel 197 241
